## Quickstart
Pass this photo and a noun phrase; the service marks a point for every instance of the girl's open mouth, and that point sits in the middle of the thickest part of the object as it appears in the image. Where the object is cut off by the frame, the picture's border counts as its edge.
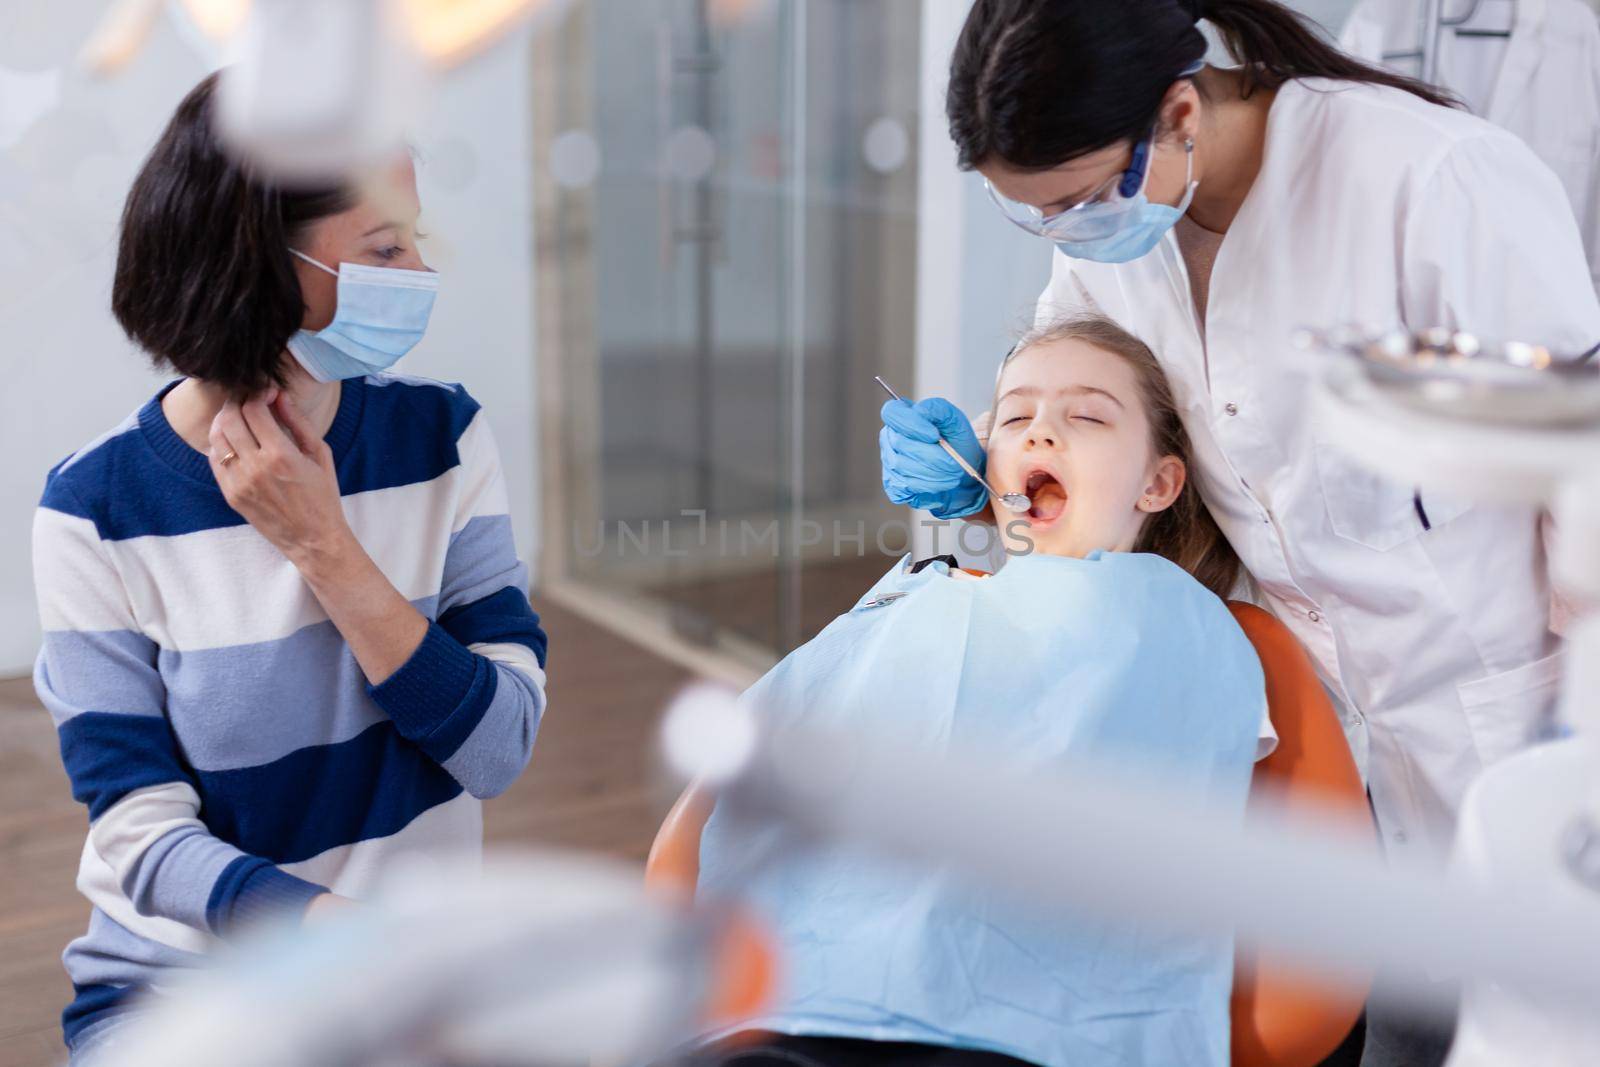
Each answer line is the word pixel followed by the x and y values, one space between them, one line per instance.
pixel 1048 495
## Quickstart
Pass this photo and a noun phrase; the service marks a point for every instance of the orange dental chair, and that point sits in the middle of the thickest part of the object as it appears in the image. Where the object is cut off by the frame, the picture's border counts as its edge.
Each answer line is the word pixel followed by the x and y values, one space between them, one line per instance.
pixel 1279 1017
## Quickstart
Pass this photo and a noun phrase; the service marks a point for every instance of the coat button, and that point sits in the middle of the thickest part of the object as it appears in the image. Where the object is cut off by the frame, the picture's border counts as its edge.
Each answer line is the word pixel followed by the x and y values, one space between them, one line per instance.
pixel 1232 409
pixel 1315 616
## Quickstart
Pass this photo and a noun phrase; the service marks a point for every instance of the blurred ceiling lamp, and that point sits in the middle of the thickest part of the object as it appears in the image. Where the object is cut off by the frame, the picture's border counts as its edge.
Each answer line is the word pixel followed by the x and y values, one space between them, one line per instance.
pixel 217 19
pixel 125 27
pixel 319 89
pixel 449 32
pixel 446 33
pixel 119 36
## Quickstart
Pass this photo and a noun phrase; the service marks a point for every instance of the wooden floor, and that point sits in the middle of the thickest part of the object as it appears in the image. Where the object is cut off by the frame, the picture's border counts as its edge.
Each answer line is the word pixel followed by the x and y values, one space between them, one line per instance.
pixel 748 604
pixel 593 783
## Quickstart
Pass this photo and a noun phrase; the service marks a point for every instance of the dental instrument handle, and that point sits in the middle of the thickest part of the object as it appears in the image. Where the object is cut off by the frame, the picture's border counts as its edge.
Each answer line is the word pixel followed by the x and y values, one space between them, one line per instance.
pixel 946 445
pixel 1012 501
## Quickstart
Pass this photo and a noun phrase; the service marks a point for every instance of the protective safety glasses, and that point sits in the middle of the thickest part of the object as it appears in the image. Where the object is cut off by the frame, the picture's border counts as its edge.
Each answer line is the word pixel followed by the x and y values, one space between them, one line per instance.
pixel 1095 217
pixel 1101 213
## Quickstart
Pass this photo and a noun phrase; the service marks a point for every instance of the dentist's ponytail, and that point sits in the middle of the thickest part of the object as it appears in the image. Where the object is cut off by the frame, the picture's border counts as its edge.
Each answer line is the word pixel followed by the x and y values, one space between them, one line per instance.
pixel 1035 83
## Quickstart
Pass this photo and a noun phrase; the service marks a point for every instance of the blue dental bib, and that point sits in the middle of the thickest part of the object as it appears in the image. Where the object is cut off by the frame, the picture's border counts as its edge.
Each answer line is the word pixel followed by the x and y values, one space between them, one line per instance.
pixel 1119 660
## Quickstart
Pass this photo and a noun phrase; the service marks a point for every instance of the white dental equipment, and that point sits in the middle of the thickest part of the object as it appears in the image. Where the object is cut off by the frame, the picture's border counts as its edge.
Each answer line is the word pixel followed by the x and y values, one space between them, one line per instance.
pixel 559 960
pixel 1513 424
pixel 1017 502
pixel 1109 845
pixel 543 959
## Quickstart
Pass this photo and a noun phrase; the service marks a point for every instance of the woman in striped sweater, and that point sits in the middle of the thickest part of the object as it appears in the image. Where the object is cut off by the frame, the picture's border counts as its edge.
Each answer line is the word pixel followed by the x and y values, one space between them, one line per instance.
pixel 287 633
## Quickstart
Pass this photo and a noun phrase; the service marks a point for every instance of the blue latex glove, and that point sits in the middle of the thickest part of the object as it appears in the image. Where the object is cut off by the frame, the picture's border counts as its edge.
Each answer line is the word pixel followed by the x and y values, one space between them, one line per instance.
pixel 916 471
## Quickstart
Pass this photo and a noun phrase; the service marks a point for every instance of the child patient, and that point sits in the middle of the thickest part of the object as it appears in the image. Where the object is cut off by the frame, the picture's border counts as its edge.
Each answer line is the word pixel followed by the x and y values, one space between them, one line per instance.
pixel 1103 640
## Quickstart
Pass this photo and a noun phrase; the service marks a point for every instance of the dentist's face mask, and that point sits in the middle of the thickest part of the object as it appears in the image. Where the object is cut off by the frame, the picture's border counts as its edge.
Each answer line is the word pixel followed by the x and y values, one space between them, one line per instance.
pixel 1117 223
pixel 382 314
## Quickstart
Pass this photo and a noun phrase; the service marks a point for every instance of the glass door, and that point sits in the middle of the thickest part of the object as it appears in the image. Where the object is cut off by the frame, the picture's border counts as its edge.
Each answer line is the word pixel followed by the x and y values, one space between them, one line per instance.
pixel 726 255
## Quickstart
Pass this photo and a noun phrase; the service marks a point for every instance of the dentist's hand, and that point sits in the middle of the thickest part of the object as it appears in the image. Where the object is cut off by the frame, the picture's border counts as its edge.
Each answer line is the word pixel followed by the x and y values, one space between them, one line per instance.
pixel 279 476
pixel 916 471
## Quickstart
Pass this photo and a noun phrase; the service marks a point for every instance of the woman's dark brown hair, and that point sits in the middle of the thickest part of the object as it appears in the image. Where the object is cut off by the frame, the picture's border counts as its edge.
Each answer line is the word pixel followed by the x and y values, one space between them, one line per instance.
pixel 1184 533
pixel 204 282
pixel 1035 83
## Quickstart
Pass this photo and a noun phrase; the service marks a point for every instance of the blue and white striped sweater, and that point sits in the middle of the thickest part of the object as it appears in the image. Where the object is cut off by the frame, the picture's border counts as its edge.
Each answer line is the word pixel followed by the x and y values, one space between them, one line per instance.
pixel 232 756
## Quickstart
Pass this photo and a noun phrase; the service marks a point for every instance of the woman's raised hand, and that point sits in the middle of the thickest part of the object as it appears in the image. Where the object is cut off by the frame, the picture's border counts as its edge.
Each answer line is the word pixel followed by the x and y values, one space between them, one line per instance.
pixel 281 479
pixel 279 475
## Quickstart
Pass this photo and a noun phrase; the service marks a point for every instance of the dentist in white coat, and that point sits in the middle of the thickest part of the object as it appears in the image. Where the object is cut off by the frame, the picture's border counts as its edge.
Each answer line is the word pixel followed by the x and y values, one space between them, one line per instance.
pixel 1213 212
pixel 1541 81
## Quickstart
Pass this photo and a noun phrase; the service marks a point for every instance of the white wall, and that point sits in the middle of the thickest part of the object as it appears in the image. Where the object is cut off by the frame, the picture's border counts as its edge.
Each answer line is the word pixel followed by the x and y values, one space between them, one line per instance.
pixel 69 373
pixel 476 179
pixel 977 275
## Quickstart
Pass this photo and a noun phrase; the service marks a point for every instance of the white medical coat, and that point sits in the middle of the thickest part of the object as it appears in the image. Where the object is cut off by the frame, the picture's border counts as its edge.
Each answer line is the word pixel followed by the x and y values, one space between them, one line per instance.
pixel 1371 206
pixel 1542 83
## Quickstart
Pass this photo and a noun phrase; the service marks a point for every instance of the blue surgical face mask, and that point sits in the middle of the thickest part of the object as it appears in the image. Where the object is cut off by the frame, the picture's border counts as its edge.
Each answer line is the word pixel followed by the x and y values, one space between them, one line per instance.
pixel 1135 225
pixel 382 314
